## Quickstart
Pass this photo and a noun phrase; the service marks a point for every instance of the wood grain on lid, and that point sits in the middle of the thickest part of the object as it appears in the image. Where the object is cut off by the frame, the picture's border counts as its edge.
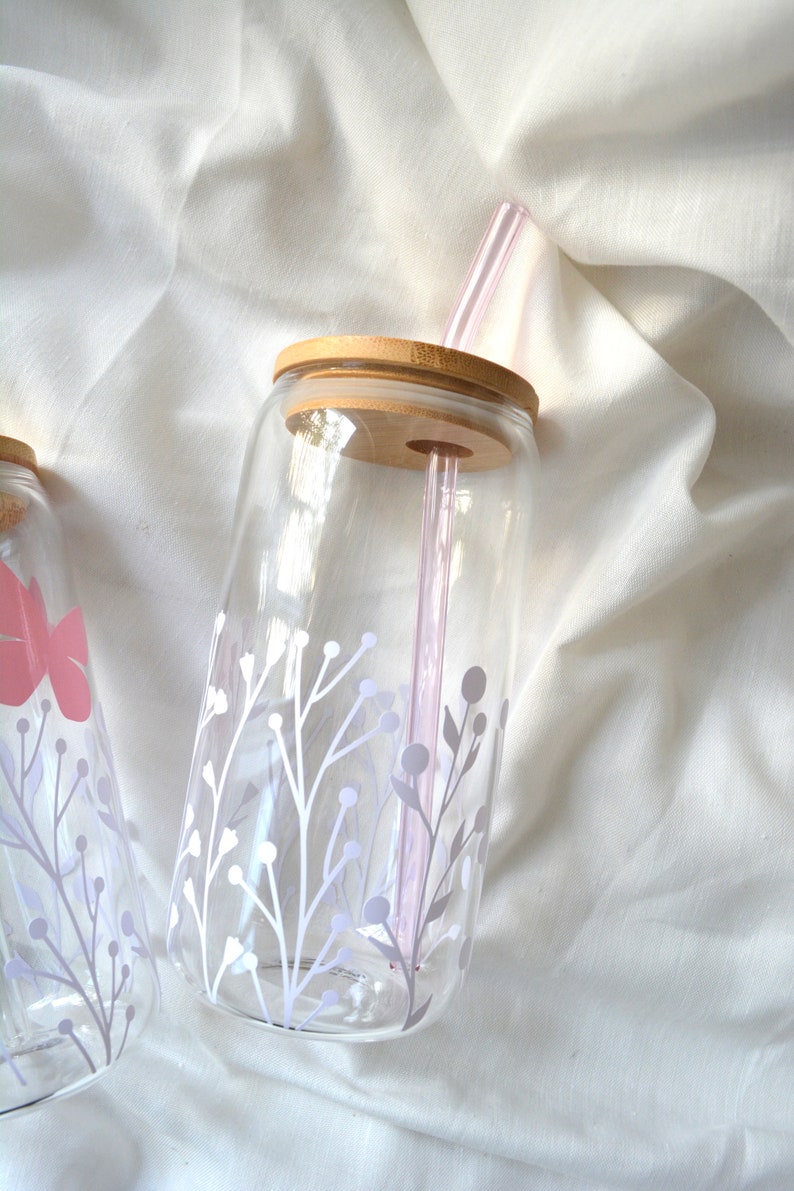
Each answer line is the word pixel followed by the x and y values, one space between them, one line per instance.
pixel 14 451
pixel 409 359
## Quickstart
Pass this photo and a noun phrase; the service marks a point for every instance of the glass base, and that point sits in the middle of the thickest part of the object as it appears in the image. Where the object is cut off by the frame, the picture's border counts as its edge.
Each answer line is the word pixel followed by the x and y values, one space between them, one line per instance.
pixel 350 1004
pixel 41 1068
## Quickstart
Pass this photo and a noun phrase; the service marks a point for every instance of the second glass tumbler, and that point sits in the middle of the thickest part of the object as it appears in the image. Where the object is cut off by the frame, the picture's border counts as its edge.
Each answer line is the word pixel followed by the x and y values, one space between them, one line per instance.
pixel 337 818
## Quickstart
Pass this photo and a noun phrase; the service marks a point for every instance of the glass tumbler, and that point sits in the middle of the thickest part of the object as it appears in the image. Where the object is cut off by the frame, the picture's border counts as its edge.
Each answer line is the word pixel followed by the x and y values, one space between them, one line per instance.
pixel 77 980
pixel 337 817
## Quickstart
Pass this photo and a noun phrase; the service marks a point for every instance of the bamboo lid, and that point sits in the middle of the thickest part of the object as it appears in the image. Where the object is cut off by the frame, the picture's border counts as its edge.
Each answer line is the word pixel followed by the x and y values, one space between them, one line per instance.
pixel 12 450
pixel 409 359
pixel 12 509
pixel 400 432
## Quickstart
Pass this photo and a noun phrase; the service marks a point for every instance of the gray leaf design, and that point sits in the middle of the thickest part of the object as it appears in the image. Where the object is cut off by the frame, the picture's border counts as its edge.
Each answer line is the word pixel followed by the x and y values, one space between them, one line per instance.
pixel 438 907
pixel 391 952
pixel 250 792
pixel 406 793
pixel 472 757
pixel 457 843
pixel 451 733
pixel 13 827
pixel 30 897
pixel 415 1018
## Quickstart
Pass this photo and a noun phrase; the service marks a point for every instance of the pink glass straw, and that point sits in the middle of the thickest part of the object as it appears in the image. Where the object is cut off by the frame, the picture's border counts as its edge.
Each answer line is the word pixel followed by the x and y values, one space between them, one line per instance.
pixel 435 554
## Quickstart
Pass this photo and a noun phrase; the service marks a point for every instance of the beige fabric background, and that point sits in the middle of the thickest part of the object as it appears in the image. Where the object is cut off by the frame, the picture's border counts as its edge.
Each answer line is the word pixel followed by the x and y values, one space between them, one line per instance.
pixel 189 187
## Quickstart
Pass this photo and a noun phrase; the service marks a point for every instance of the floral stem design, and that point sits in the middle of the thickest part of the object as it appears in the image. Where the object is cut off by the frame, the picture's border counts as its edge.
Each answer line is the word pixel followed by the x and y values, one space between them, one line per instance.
pixel 303 782
pixel 307 864
pixel 415 761
pixel 73 931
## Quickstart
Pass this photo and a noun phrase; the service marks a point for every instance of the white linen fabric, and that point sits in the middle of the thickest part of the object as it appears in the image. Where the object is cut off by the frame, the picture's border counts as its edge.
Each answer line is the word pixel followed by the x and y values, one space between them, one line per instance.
pixel 191 186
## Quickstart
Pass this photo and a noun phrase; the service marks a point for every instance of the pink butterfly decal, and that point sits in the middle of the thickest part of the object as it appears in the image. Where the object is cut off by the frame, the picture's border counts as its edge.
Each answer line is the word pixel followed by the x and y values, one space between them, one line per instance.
pixel 30 648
